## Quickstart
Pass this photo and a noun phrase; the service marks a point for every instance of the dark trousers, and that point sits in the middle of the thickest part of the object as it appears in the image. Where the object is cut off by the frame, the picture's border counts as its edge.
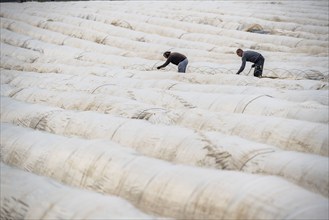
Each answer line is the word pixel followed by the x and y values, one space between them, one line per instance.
pixel 259 65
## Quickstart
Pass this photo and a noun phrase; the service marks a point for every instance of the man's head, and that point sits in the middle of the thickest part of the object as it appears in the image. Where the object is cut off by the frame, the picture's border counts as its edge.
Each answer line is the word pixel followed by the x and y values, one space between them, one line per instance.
pixel 239 52
pixel 166 54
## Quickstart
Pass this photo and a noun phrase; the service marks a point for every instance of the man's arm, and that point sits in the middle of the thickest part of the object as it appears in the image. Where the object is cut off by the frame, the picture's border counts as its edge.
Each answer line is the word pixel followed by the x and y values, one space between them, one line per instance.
pixel 165 64
pixel 242 65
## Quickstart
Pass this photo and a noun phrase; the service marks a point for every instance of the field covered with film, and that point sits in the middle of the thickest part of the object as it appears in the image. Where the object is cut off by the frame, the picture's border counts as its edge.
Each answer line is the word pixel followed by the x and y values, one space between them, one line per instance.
pixel 90 129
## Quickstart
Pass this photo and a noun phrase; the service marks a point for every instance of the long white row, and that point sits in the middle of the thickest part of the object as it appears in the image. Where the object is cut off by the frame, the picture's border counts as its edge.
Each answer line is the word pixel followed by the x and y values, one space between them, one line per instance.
pixel 225 15
pixel 312 138
pixel 92 49
pixel 200 75
pixel 137 46
pixel 173 143
pixel 255 104
pixel 155 186
pixel 137 81
pixel 226 35
pixel 28 196
pixel 133 47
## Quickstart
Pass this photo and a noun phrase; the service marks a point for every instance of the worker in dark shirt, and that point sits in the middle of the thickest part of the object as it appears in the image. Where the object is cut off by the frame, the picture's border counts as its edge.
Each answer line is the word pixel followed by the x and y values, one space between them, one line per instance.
pixel 177 59
pixel 254 57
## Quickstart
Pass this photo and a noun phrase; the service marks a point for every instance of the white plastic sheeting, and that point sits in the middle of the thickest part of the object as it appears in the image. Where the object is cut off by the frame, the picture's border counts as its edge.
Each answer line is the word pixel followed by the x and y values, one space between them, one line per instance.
pixel 288 134
pixel 307 95
pixel 202 145
pixel 176 144
pixel 28 196
pixel 98 26
pixel 156 186
pixel 234 103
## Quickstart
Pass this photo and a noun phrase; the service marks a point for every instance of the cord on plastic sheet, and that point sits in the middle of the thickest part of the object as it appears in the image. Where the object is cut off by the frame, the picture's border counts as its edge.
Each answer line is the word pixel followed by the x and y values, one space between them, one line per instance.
pixel 240 108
